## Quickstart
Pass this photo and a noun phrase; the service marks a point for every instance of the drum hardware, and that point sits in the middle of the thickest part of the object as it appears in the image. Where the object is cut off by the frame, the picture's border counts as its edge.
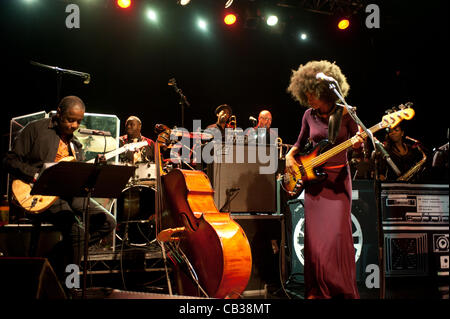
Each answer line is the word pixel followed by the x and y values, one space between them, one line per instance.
pixel 135 215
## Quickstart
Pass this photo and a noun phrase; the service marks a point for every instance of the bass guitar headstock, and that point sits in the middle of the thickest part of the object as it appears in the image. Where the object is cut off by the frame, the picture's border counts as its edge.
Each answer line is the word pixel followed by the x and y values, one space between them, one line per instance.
pixel 395 116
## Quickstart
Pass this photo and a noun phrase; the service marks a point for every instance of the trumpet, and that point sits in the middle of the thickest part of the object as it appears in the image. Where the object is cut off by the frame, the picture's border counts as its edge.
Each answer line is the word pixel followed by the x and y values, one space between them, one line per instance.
pixel 232 122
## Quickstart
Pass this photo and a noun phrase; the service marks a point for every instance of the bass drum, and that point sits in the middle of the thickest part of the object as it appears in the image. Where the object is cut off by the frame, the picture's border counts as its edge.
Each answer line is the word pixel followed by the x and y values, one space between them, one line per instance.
pixel 135 215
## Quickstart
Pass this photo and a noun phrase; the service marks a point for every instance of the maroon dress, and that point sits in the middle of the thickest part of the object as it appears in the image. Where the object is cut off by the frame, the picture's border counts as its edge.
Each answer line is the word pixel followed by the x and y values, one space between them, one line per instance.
pixel 329 253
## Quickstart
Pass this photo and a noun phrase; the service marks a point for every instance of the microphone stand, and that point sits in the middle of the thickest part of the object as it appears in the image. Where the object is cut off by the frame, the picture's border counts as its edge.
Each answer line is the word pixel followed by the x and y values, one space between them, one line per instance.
pixel 334 86
pixel 89 188
pixel 183 101
pixel 59 72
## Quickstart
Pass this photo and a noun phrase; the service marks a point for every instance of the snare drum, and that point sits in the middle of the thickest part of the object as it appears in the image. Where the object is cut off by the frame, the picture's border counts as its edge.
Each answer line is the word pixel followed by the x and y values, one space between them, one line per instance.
pixel 145 174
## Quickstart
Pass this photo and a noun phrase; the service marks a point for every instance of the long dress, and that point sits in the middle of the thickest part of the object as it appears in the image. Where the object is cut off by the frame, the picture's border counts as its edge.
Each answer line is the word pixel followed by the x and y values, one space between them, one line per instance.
pixel 329 253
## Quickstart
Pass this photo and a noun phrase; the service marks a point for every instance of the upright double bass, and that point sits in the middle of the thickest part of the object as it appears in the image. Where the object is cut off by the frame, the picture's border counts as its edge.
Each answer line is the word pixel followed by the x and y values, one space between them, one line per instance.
pixel 216 248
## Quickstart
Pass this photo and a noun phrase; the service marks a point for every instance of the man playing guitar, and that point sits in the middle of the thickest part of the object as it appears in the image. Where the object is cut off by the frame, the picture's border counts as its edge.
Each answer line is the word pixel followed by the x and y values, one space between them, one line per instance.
pixel 51 140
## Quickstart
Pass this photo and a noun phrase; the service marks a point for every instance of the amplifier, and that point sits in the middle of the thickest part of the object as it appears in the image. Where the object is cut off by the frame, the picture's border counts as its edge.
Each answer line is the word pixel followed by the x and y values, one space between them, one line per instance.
pixel 414 204
pixel 243 177
pixel 415 227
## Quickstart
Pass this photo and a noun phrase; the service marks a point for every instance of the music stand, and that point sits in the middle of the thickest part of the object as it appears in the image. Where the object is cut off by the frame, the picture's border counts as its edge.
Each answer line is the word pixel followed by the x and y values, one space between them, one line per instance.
pixel 78 179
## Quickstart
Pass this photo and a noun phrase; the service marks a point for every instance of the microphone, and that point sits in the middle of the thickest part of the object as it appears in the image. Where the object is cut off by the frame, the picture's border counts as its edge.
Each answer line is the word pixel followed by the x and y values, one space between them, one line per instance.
pixel 387 157
pixel 322 76
pixel 93 132
pixel 172 81
pixel 87 78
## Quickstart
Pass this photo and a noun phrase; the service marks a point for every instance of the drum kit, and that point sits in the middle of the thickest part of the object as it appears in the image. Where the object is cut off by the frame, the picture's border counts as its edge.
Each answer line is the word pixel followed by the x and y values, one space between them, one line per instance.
pixel 135 208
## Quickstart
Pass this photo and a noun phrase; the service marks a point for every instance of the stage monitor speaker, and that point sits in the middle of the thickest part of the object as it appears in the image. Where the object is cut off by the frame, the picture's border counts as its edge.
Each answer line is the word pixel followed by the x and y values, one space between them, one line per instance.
pixel 29 278
pixel 240 181
pixel 261 230
pixel 365 235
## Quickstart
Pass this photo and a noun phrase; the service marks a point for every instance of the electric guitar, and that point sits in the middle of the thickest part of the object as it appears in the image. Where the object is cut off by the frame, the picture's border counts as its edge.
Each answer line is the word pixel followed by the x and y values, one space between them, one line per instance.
pixel 39 203
pixel 308 169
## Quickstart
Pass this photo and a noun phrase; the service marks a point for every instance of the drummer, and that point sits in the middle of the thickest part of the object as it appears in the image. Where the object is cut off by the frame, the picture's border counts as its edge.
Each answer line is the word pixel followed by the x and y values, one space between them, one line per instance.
pixel 144 154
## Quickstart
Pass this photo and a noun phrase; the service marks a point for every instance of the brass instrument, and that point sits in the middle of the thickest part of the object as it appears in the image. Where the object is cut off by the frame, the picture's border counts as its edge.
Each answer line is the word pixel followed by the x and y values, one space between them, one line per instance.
pixel 282 153
pixel 416 168
pixel 232 122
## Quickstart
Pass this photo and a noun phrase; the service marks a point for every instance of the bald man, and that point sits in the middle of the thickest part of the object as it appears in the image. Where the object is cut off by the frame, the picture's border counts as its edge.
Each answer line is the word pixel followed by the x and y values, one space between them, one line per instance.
pixel 144 154
pixel 264 123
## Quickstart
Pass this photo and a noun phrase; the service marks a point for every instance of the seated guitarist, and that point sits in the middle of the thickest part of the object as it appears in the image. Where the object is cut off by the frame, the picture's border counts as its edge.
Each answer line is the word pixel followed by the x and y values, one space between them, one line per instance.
pixel 50 140
pixel 329 269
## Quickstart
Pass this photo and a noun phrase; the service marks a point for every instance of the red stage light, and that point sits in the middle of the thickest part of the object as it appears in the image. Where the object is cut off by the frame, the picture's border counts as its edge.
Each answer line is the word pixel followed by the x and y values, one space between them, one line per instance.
pixel 230 19
pixel 124 3
pixel 344 24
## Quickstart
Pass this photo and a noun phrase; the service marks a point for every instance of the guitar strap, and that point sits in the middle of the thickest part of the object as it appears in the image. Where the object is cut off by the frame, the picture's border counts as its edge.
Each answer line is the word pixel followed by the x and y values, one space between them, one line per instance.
pixel 334 124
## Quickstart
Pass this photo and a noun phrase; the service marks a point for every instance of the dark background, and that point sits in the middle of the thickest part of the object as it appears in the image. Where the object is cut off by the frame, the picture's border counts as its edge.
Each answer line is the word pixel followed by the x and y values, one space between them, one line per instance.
pixel 131 60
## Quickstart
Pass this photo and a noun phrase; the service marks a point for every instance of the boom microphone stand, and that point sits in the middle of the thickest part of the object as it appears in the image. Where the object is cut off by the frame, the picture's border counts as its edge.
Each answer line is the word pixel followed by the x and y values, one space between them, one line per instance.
pixel 183 101
pixel 59 73
pixel 334 86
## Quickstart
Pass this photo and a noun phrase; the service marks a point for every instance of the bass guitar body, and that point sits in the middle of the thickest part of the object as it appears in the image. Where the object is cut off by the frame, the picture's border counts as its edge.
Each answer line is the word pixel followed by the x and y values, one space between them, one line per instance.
pixel 307 170
pixel 215 245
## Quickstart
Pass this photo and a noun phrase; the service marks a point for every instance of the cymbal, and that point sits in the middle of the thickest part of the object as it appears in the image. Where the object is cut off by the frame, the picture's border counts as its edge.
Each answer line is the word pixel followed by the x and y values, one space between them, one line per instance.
pixel 95 143
pixel 203 136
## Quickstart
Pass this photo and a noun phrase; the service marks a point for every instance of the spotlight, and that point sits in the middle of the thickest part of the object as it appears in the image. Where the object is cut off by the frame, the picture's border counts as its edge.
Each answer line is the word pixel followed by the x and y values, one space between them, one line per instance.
pixel 151 15
pixel 228 3
pixel 303 36
pixel 272 20
pixel 343 24
pixel 230 19
pixel 183 2
pixel 202 24
pixel 124 4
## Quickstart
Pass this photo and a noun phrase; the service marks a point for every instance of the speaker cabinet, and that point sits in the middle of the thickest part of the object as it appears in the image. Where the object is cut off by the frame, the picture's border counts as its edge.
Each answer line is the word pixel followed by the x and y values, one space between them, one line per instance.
pixel 262 232
pixel 416 240
pixel 364 229
pixel 239 179
pixel 29 278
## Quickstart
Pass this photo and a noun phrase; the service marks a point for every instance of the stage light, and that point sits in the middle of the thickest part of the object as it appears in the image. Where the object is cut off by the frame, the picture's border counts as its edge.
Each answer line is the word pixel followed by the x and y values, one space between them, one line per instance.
pixel 343 24
pixel 151 15
pixel 228 3
pixel 124 4
pixel 202 24
pixel 303 36
pixel 230 19
pixel 272 20
pixel 184 2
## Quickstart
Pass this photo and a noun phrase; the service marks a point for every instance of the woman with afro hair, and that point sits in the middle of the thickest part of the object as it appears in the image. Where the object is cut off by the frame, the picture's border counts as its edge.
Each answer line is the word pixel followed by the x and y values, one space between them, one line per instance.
pixel 329 255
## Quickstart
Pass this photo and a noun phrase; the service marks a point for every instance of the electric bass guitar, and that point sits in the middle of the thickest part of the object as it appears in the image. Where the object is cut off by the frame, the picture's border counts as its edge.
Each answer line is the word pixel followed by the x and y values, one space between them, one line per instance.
pixel 35 204
pixel 308 169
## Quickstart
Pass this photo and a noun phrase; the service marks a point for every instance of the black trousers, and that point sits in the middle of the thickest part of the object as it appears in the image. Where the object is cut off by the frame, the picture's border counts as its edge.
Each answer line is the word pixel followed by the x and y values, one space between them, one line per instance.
pixel 67 216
